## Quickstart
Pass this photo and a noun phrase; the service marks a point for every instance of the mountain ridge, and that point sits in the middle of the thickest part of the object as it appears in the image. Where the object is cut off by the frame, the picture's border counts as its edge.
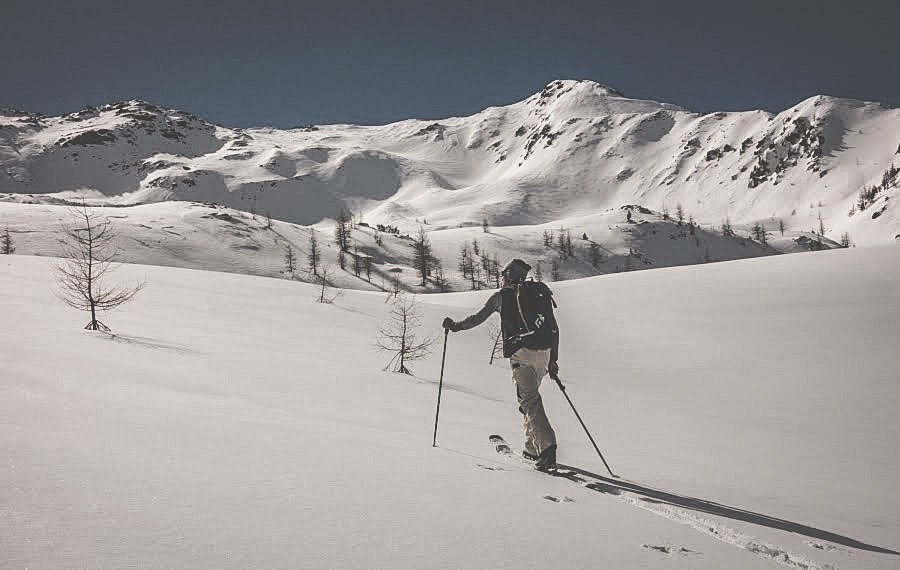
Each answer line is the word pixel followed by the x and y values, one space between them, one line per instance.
pixel 571 148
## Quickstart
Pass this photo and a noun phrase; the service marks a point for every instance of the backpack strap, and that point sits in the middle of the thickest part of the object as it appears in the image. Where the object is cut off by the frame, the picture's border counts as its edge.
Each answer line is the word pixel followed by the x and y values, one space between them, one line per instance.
pixel 544 289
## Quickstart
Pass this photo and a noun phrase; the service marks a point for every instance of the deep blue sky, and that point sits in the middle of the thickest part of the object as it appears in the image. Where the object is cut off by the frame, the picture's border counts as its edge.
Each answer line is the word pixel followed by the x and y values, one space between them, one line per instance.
pixel 253 62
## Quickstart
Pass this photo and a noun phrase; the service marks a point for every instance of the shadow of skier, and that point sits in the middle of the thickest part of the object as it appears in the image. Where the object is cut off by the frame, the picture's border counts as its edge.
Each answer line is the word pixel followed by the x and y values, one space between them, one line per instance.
pixel 608 485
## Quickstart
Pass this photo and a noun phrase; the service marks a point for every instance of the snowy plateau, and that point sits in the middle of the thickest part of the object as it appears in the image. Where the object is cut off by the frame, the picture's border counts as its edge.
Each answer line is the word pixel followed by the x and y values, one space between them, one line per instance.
pixel 748 407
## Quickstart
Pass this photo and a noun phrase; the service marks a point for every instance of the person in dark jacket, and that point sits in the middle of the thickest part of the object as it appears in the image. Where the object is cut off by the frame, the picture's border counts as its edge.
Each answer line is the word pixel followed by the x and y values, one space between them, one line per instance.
pixel 531 356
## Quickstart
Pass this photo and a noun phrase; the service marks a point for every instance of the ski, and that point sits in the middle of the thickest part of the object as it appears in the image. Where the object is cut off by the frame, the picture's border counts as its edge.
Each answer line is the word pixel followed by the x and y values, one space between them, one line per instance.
pixel 503 448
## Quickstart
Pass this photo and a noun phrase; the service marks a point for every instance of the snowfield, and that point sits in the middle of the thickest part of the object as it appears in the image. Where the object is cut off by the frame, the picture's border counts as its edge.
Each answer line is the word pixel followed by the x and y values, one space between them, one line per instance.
pixel 749 407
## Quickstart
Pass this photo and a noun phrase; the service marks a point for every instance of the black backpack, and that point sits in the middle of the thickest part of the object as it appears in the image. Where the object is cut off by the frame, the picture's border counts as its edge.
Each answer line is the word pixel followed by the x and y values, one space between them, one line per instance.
pixel 537 324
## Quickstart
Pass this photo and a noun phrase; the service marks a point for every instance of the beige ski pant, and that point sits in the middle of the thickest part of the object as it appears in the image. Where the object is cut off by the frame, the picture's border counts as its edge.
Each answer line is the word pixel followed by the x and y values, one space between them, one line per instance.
pixel 528 368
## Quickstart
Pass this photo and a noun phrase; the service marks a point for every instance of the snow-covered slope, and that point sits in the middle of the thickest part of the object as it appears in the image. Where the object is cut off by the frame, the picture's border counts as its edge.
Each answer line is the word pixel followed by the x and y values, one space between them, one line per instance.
pixel 573 149
pixel 203 236
pixel 231 421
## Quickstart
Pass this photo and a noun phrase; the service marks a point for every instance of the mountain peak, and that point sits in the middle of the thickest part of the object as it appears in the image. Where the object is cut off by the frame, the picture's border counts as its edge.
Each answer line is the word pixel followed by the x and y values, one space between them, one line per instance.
pixel 578 87
pixel 574 98
pixel 133 105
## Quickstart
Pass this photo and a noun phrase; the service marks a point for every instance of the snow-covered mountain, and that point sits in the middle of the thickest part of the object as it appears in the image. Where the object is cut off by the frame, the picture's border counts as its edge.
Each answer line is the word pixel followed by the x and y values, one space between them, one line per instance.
pixel 575 147
pixel 573 152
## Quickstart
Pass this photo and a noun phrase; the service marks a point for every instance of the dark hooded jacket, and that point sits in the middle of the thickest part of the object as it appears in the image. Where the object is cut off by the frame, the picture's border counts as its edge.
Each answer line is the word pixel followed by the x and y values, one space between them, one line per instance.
pixel 512 324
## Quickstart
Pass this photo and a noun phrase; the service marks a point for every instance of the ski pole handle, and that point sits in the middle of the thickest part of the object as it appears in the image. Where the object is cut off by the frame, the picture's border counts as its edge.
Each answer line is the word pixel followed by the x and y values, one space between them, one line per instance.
pixel 559 383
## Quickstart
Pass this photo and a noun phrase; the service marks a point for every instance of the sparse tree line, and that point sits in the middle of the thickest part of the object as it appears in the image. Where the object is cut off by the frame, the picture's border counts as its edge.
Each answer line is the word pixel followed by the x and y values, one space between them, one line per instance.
pixel 868 195
pixel 89 252
pixel 759 232
pixel 351 258
pixel 478 266
pixel 388 229
pixel 562 242
pixel 88 257
pixel 689 228
pixel 685 229
pixel 426 265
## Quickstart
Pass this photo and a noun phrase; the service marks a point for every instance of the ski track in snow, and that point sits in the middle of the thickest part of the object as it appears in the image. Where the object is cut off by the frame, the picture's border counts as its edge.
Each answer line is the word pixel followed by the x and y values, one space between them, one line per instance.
pixel 723 532
pixel 680 515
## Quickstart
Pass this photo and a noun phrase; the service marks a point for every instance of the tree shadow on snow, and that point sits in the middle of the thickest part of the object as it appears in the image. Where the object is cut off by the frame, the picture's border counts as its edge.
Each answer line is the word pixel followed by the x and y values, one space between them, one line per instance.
pixel 148 343
pixel 461 389
pixel 608 485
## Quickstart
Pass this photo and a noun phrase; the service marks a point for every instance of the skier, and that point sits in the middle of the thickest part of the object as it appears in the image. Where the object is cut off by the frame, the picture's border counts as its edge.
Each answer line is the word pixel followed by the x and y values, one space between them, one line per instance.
pixel 531 342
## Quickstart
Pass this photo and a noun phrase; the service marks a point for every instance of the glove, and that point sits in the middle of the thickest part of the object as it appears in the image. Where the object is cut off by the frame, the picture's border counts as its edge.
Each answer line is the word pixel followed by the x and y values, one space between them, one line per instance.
pixel 553 369
pixel 449 324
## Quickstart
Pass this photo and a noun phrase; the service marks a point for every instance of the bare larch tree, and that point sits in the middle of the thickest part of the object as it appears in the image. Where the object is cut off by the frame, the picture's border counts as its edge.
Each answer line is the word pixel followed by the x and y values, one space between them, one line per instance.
pixel 324 294
pixel 89 253
pixel 398 335
pixel 396 287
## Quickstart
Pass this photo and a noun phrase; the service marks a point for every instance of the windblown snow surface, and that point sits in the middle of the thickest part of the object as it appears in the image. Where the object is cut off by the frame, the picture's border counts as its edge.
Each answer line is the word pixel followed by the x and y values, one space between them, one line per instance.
pixel 749 408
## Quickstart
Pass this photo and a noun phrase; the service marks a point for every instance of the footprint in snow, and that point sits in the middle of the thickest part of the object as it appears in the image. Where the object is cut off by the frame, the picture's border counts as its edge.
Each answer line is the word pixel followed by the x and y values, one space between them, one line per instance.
pixel 559 500
pixel 670 549
pixel 825 546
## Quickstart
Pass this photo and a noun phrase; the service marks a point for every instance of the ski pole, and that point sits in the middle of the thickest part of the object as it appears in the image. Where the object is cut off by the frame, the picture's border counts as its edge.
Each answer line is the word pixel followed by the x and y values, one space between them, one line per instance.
pixel 494 350
pixel 577 415
pixel 437 412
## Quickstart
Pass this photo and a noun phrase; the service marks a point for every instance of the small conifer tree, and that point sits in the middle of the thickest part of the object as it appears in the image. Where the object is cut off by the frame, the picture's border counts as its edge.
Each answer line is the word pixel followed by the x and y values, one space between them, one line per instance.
pixel 7 247
pixel 422 258
pixel 314 256
pixel 290 261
